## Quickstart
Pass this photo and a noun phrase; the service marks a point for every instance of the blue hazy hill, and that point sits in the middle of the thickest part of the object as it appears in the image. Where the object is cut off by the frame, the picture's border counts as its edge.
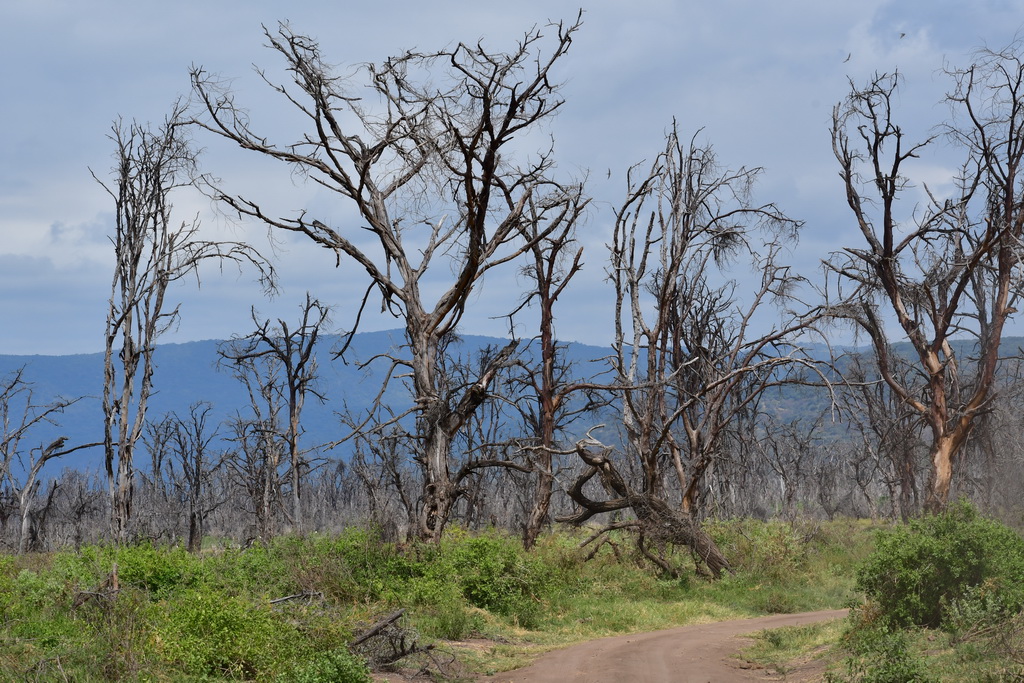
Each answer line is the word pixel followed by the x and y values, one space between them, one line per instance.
pixel 188 373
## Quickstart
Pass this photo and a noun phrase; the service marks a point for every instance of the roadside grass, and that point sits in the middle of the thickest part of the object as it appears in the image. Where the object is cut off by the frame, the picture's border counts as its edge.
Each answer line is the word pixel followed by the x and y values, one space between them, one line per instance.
pixel 861 652
pixel 943 598
pixel 167 615
pixel 781 650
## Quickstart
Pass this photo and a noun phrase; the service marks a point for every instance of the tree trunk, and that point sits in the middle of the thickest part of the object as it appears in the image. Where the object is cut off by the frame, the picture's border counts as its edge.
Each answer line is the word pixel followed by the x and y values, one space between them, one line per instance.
pixel 121 504
pixel 195 531
pixel 26 517
pixel 547 417
pixel 941 475
pixel 438 493
pixel 541 502
pixel 908 484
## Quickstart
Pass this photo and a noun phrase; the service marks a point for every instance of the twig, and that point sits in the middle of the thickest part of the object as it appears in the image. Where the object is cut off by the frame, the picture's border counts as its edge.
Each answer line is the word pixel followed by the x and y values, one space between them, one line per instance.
pixel 377 628
pixel 298 596
pixel 611 527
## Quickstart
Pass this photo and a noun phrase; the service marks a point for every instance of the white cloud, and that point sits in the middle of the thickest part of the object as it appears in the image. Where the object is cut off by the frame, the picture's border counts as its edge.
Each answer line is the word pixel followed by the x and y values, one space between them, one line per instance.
pixel 760 78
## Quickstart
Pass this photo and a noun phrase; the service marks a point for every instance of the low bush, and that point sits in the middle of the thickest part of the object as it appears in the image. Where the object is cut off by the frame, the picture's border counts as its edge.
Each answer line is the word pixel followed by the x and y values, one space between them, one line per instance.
pixel 452 620
pixel 356 565
pixel 769 550
pixel 211 634
pixel 495 574
pixel 157 570
pixel 919 571
pixel 337 666
pixel 881 655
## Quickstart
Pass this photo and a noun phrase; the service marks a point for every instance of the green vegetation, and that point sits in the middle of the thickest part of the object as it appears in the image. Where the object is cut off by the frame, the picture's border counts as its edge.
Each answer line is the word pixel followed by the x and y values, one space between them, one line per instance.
pixel 782 650
pixel 151 613
pixel 922 570
pixel 939 599
pixel 944 597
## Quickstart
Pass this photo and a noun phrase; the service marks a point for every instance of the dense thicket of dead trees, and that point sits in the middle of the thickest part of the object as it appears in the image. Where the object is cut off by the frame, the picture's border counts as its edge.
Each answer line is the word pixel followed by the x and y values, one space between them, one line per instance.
pixel 809 472
pixel 712 399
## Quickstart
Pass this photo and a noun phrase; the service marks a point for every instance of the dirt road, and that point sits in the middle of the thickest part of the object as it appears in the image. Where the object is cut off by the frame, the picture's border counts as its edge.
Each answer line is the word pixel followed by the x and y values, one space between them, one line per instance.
pixel 689 654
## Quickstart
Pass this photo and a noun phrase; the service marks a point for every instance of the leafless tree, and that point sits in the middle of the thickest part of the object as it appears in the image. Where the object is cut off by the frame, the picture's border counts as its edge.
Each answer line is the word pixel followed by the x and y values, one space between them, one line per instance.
pixel 27 494
pixel 150 254
pixel 425 154
pixel 255 462
pixel 293 351
pixel 686 360
pixel 789 450
pixel 79 510
pixel 160 511
pixel 990 471
pixel 886 428
pixel 191 448
pixel 21 414
pixel 951 270
pixel 386 476
pixel 554 258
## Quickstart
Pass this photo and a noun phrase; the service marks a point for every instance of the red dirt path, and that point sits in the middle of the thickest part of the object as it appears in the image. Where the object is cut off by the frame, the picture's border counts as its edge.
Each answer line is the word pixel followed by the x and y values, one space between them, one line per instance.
pixel 689 654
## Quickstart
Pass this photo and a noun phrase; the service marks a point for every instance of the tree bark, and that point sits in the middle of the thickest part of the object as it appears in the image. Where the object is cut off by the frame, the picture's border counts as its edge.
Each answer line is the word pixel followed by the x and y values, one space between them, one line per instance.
pixel 658 520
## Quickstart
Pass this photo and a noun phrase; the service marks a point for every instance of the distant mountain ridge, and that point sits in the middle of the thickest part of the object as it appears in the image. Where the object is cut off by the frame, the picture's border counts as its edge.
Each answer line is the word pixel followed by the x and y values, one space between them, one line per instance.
pixel 187 373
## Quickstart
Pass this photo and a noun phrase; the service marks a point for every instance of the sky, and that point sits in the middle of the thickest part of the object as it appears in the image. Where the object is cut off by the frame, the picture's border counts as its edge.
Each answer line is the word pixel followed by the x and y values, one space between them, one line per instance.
pixel 757 79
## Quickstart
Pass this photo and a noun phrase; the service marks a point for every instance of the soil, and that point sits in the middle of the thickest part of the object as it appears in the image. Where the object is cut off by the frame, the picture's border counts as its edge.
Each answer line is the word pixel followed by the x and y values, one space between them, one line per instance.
pixel 703 653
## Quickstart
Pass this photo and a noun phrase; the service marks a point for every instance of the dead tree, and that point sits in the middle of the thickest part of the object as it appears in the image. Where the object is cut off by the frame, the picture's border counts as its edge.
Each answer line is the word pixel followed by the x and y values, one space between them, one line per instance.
pixel 255 462
pixel 150 254
pixel 38 458
pixel 949 270
pixel 885 426
pixel 20 415
pixel 656 520
pixel 788 448
pixel 553 260
pixel 190 446
pixel 991 473
pixel 425 155
pixel 388 479
pixel 159 509
pixel 293 351
pixel 687 363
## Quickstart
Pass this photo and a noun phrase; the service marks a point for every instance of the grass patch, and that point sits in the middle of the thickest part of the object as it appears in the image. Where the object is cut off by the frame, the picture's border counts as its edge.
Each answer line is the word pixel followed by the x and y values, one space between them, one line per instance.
pixel 172 616
pixel 782 650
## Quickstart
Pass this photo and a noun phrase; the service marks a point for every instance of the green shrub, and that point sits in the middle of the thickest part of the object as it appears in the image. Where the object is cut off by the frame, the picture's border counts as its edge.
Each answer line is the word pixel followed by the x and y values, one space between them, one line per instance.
pixel 211 634
pixel 157 570
pixel 256 570
pixel 494 573
pixel 337 666
pixel 774 601
pixel 771 551
pixel 448 621
pixel 881 655
pixel 979 609
pixel 115 634
pixel 919 568
pixel 356 565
